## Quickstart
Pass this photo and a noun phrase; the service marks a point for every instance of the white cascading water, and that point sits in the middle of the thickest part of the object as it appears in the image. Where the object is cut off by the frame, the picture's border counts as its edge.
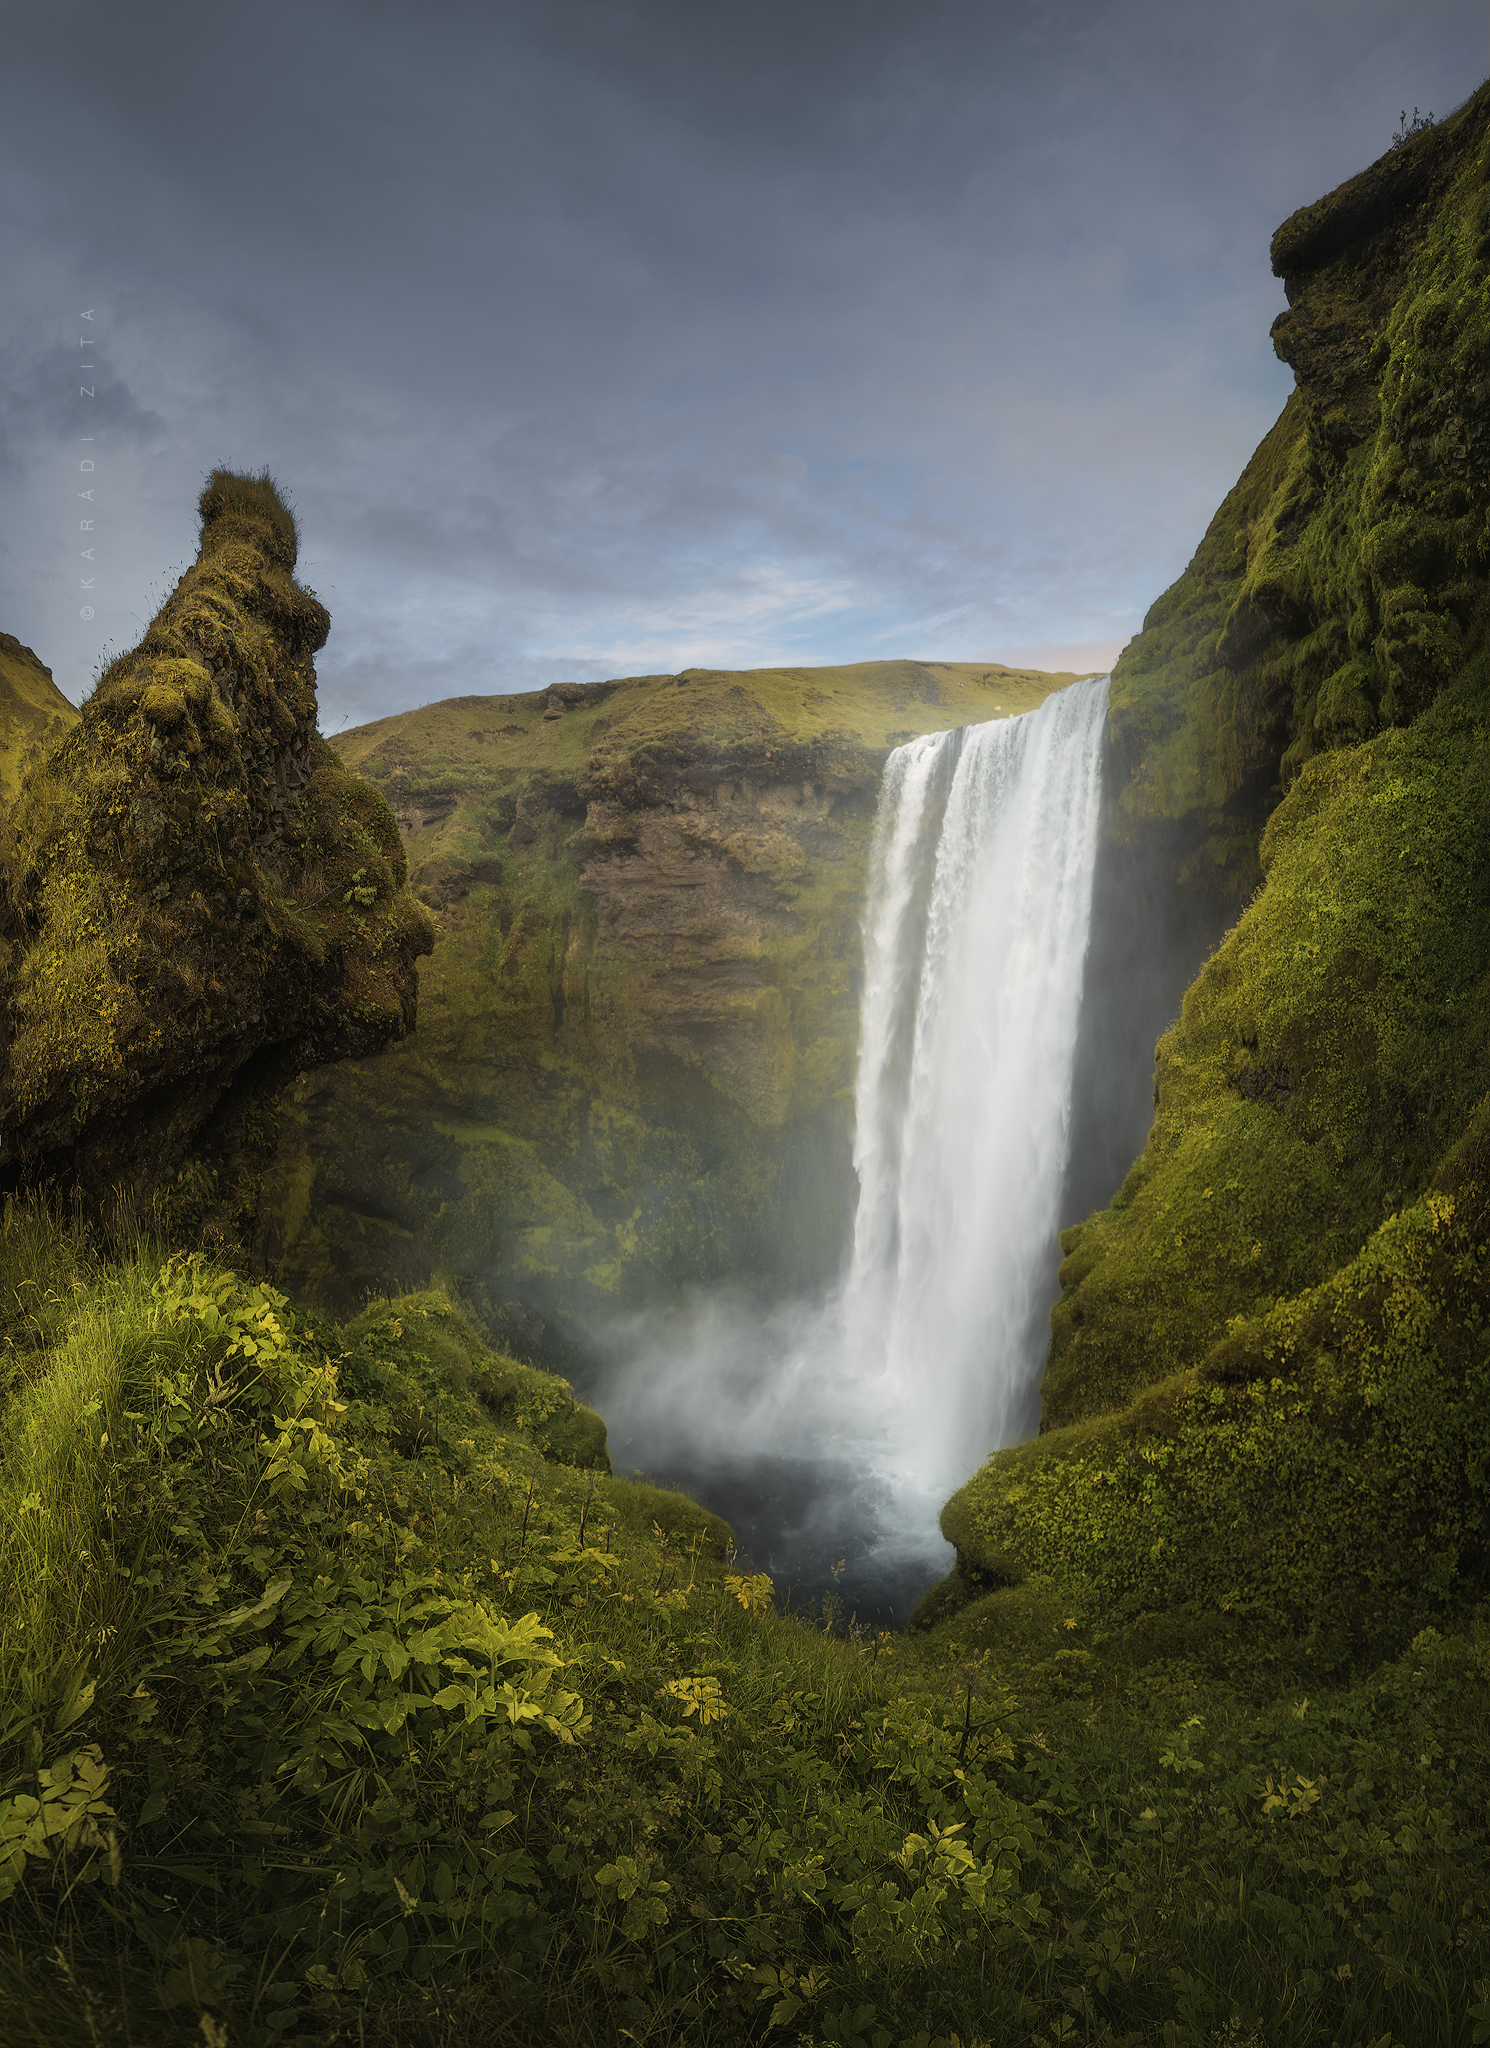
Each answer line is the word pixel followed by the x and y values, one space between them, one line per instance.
pixel 870 1408
pixel 975 940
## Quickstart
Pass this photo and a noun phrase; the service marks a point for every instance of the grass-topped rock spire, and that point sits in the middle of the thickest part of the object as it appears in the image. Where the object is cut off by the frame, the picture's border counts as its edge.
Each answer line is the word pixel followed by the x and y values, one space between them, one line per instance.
pixel 196 897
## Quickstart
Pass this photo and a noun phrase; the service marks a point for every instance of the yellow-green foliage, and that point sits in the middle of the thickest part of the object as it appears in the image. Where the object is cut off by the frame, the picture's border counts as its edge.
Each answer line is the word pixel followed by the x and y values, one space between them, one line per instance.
pixel 1342 585
pixel 178 871
pixel 503 1696
pixel 497 741
pixel 330 1728
pixel 1331 1049
pixel 429 1349
pixel 34 714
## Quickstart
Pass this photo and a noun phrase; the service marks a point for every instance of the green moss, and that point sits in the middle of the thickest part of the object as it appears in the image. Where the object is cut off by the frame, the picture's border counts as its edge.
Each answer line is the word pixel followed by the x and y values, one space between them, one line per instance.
pixel 1267 1401
pixel 193 883
pixel 1328 1459
pixel 1269 1383
pixel 254 505
pixel 1331 1049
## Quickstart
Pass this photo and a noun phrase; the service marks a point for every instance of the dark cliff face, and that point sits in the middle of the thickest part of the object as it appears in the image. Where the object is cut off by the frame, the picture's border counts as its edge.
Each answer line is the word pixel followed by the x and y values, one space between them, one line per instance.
pixel 196 898
pixel 1341 587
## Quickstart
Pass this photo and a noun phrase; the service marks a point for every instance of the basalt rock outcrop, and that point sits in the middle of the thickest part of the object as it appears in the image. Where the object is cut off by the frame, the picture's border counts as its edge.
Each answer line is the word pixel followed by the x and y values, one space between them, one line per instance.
pixel 197 899
pixel 635 1057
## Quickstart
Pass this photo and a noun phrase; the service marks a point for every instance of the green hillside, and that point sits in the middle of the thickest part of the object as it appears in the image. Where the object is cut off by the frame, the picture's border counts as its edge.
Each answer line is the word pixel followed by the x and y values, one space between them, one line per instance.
pixel 34 714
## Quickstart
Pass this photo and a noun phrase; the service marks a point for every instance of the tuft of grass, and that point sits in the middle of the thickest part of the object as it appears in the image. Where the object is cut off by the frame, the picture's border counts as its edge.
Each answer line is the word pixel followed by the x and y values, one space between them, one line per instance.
pixel 255 503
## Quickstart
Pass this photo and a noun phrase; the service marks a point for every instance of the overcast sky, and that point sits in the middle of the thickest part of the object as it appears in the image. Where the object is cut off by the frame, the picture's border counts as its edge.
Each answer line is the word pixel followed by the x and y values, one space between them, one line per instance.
pixel 597 339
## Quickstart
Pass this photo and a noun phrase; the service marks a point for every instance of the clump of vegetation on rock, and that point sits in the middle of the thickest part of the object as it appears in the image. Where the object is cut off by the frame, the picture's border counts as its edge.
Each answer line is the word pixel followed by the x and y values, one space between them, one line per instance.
pixel 1328 1056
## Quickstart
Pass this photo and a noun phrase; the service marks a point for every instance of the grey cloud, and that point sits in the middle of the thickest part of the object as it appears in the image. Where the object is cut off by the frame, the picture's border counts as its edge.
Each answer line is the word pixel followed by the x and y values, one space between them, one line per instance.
pixel 593 330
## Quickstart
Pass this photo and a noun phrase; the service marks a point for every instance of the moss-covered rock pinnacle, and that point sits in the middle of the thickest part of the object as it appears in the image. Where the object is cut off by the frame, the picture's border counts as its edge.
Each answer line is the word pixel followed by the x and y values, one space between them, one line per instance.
pixel 196 897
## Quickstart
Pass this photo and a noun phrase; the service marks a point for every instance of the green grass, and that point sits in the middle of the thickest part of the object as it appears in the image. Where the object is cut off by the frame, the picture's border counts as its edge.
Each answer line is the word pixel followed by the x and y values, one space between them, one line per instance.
pixel 34 714
pixel 495 743
pixel 345 1708
pixel 1341 587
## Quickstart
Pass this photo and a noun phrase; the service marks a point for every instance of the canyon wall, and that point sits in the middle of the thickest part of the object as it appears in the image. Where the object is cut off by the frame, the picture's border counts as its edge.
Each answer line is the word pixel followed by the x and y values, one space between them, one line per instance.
pixel 639 1027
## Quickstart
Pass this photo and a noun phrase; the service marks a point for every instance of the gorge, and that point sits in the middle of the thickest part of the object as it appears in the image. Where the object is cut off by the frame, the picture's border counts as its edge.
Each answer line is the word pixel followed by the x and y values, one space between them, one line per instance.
pixel 349 1693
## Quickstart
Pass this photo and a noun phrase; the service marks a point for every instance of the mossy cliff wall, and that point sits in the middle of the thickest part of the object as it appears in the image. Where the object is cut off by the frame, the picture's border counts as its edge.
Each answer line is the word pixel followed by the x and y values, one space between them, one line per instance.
pixel 638 1030
pixel 1268 1368
pixel 196 897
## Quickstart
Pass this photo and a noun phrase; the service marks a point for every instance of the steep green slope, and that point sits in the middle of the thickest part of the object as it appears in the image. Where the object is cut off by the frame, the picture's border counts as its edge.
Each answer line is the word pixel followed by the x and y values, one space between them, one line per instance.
pixel 34 714
pixel 638 1029
pixel 196 897
pixel 1267 1376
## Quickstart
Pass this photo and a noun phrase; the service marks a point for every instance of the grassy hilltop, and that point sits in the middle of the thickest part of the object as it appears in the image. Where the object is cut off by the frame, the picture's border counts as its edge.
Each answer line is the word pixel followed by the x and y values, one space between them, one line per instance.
pixel 34 714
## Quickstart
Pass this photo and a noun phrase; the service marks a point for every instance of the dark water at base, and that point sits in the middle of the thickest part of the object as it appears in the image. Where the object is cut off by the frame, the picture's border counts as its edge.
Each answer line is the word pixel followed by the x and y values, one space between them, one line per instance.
pixel 821 1530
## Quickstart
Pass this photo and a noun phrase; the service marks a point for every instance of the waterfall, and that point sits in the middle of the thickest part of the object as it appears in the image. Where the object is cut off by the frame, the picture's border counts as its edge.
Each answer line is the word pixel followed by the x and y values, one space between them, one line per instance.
pixel 975 939
pixel 838 1428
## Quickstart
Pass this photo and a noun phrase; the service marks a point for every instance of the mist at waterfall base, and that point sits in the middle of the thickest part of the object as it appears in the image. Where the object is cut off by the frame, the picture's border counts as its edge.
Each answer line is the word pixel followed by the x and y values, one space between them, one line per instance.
pixel 829 1433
